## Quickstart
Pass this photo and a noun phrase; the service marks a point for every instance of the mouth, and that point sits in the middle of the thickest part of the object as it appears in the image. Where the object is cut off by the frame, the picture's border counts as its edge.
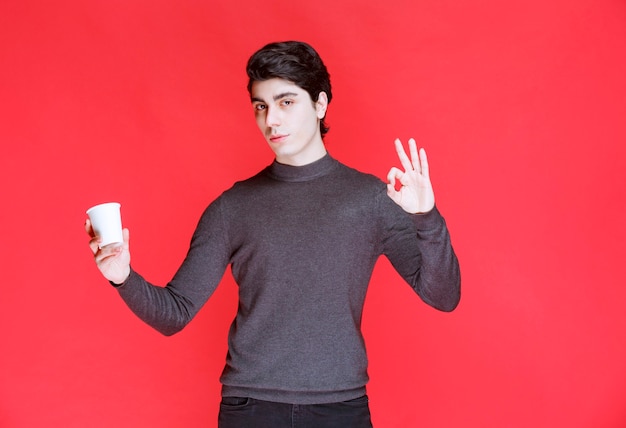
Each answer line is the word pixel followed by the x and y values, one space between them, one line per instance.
pixel 277 138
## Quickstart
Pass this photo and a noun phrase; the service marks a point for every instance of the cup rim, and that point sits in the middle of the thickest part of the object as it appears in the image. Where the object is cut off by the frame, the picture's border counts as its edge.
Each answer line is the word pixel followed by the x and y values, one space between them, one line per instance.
pixel 101 205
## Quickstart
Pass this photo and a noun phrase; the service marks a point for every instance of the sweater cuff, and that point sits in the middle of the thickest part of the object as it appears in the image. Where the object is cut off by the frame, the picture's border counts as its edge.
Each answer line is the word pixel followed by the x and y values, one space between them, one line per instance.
pixel 429 220
pixel 123 283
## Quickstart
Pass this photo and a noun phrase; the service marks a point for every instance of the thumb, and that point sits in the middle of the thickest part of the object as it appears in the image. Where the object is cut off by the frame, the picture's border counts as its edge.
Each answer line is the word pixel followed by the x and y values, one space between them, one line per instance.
pixel 126 236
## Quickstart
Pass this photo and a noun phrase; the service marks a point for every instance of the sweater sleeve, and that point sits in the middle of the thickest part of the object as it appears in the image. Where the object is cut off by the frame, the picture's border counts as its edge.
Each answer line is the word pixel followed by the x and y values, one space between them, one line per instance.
pixel 168 309
pixel 419 248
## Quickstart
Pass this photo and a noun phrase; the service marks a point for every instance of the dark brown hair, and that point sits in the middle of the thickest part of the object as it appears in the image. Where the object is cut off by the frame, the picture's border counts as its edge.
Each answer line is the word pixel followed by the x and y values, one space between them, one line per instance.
pixel 296 62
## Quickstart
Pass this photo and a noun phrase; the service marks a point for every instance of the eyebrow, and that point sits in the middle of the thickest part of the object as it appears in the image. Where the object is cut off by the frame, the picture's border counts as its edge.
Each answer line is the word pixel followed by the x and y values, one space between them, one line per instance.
pixel 275 97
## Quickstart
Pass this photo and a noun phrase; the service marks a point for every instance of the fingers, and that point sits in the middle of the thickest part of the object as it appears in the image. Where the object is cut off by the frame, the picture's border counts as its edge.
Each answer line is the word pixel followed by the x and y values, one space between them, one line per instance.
pixel 88 228
pixel 107 252
pixel 126 236
pixel 394 175
pixel 101 254
pixel 415 160
pixel 424 163
pixel 404 159
pixel 418 157
pixel 94 242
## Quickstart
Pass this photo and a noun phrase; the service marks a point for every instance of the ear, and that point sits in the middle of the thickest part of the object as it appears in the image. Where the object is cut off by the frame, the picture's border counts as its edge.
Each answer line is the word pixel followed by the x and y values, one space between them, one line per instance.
pixel 321 105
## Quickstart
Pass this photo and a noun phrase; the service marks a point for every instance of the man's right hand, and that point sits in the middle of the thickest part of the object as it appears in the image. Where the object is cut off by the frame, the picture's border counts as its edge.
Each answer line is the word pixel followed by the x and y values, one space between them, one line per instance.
pixel 113 261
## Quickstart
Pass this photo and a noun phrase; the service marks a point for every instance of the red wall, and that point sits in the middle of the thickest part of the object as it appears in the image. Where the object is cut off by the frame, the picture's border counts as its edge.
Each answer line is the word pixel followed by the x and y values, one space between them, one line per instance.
pixel 521 106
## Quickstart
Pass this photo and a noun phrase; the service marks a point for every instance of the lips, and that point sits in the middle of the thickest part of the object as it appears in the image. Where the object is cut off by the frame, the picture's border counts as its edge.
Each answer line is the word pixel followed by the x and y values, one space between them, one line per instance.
pixel 278 138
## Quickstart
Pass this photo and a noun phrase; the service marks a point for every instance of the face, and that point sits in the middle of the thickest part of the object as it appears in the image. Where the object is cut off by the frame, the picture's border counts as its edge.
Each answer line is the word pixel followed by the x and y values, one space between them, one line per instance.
pixel 289 120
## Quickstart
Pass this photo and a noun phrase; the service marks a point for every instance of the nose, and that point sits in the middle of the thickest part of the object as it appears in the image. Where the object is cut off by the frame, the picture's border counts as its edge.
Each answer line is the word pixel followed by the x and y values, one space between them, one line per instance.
pixel 272 117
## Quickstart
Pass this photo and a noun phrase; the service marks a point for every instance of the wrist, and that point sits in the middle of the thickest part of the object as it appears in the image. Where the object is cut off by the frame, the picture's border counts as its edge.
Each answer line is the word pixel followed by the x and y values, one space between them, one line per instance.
pixel 121 280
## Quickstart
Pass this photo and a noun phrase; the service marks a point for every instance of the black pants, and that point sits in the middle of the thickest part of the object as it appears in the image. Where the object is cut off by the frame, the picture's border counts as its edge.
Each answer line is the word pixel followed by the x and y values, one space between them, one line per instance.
pixel 237 412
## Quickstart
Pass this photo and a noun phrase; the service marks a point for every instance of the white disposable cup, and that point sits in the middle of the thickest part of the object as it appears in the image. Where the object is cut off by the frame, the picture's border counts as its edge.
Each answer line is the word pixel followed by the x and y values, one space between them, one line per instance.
pixel 106 222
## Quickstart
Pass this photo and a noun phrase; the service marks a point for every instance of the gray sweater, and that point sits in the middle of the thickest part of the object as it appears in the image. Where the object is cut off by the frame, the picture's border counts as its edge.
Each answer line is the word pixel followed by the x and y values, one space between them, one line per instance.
pixel 302 243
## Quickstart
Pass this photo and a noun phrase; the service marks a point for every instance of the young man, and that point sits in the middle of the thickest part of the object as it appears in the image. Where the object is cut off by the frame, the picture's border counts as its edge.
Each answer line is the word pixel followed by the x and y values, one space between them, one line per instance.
pixel 302 238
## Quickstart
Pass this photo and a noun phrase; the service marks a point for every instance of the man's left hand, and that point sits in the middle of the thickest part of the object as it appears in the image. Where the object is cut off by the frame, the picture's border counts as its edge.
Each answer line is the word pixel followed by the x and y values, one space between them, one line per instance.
pixel 415 193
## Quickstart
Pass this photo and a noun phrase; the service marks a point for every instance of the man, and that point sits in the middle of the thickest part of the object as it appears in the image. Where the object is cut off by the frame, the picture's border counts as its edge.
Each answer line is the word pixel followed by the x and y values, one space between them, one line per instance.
pixel 302 238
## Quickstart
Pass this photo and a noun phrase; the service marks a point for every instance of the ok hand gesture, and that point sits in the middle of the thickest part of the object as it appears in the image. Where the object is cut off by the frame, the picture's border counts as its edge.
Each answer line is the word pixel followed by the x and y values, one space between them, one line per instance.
pixel 415 193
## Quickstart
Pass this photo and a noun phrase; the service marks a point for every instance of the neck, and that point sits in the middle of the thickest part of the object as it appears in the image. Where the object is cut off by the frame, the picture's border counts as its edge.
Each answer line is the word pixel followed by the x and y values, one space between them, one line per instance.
pixel 302 160
pixel 318 168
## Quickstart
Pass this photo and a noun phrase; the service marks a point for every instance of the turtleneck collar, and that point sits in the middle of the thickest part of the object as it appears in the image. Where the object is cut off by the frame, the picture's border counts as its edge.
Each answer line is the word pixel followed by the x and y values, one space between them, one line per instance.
pixel 313 170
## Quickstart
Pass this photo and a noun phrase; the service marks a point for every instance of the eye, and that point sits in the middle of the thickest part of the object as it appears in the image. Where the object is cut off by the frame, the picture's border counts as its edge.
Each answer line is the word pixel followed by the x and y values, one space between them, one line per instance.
pixel 259 107
pixel 286 103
